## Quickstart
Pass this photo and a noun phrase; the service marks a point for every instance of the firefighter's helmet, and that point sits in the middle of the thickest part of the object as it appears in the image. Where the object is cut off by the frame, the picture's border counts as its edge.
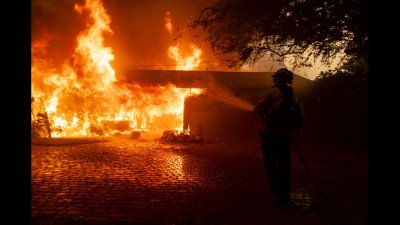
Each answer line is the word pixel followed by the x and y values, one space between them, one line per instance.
pixel 283 75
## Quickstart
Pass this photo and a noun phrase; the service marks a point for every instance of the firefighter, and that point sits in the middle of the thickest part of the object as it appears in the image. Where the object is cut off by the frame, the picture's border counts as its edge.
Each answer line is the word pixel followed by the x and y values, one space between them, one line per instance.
pixel 276 136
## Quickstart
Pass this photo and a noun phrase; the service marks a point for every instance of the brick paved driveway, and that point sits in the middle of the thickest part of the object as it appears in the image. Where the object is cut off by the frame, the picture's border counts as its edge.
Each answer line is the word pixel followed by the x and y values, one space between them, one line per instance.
pixel 220 181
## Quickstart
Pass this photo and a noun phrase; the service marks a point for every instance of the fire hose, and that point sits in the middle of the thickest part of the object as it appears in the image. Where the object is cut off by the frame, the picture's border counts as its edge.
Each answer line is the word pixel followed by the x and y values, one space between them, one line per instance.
pixel 308 171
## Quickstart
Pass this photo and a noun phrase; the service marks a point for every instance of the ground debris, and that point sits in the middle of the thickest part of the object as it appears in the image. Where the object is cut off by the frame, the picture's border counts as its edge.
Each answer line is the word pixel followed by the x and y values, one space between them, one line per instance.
pixel 176 136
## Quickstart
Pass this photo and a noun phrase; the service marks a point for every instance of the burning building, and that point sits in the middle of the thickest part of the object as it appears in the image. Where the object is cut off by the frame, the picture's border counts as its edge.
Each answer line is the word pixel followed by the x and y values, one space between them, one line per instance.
pixel 224 107
pixel 85 96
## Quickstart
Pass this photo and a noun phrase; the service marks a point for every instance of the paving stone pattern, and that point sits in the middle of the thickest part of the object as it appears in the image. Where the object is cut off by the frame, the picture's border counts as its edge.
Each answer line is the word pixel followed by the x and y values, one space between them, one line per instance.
pixel 218 182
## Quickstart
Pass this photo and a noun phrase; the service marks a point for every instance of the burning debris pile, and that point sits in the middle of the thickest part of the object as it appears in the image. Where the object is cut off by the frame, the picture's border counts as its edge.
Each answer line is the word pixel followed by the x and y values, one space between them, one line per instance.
pixel 183 136
pixel 83 97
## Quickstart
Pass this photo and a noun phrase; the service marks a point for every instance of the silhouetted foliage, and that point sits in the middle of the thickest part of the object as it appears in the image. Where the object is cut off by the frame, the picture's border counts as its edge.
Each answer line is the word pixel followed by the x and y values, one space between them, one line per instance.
pixel 244 31
pixel 43 124
pixel 345 84
pixel 339 102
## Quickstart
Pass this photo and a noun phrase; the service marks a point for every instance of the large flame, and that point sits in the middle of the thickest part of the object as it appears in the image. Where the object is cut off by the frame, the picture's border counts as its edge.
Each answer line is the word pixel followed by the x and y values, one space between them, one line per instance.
pixel 90 49
pixel 190 62
pixel 84 96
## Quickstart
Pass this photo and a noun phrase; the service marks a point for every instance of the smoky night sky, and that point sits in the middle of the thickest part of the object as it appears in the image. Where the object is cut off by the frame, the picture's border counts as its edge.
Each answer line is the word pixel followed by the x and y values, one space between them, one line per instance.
pixel 140 39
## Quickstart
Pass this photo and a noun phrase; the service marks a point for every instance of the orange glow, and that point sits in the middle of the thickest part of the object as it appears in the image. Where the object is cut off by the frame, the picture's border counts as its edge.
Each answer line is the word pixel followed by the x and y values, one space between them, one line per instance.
pixel 83 96
pixel 174 166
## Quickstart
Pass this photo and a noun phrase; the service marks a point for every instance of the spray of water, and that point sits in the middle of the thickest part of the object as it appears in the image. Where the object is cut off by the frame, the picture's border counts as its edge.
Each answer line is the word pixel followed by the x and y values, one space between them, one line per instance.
pixel 227 97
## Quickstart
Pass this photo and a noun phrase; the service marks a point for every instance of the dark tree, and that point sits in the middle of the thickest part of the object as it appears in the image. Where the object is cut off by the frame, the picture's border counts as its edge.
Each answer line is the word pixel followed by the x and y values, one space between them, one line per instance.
pixel 243 31
pixel 338 104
